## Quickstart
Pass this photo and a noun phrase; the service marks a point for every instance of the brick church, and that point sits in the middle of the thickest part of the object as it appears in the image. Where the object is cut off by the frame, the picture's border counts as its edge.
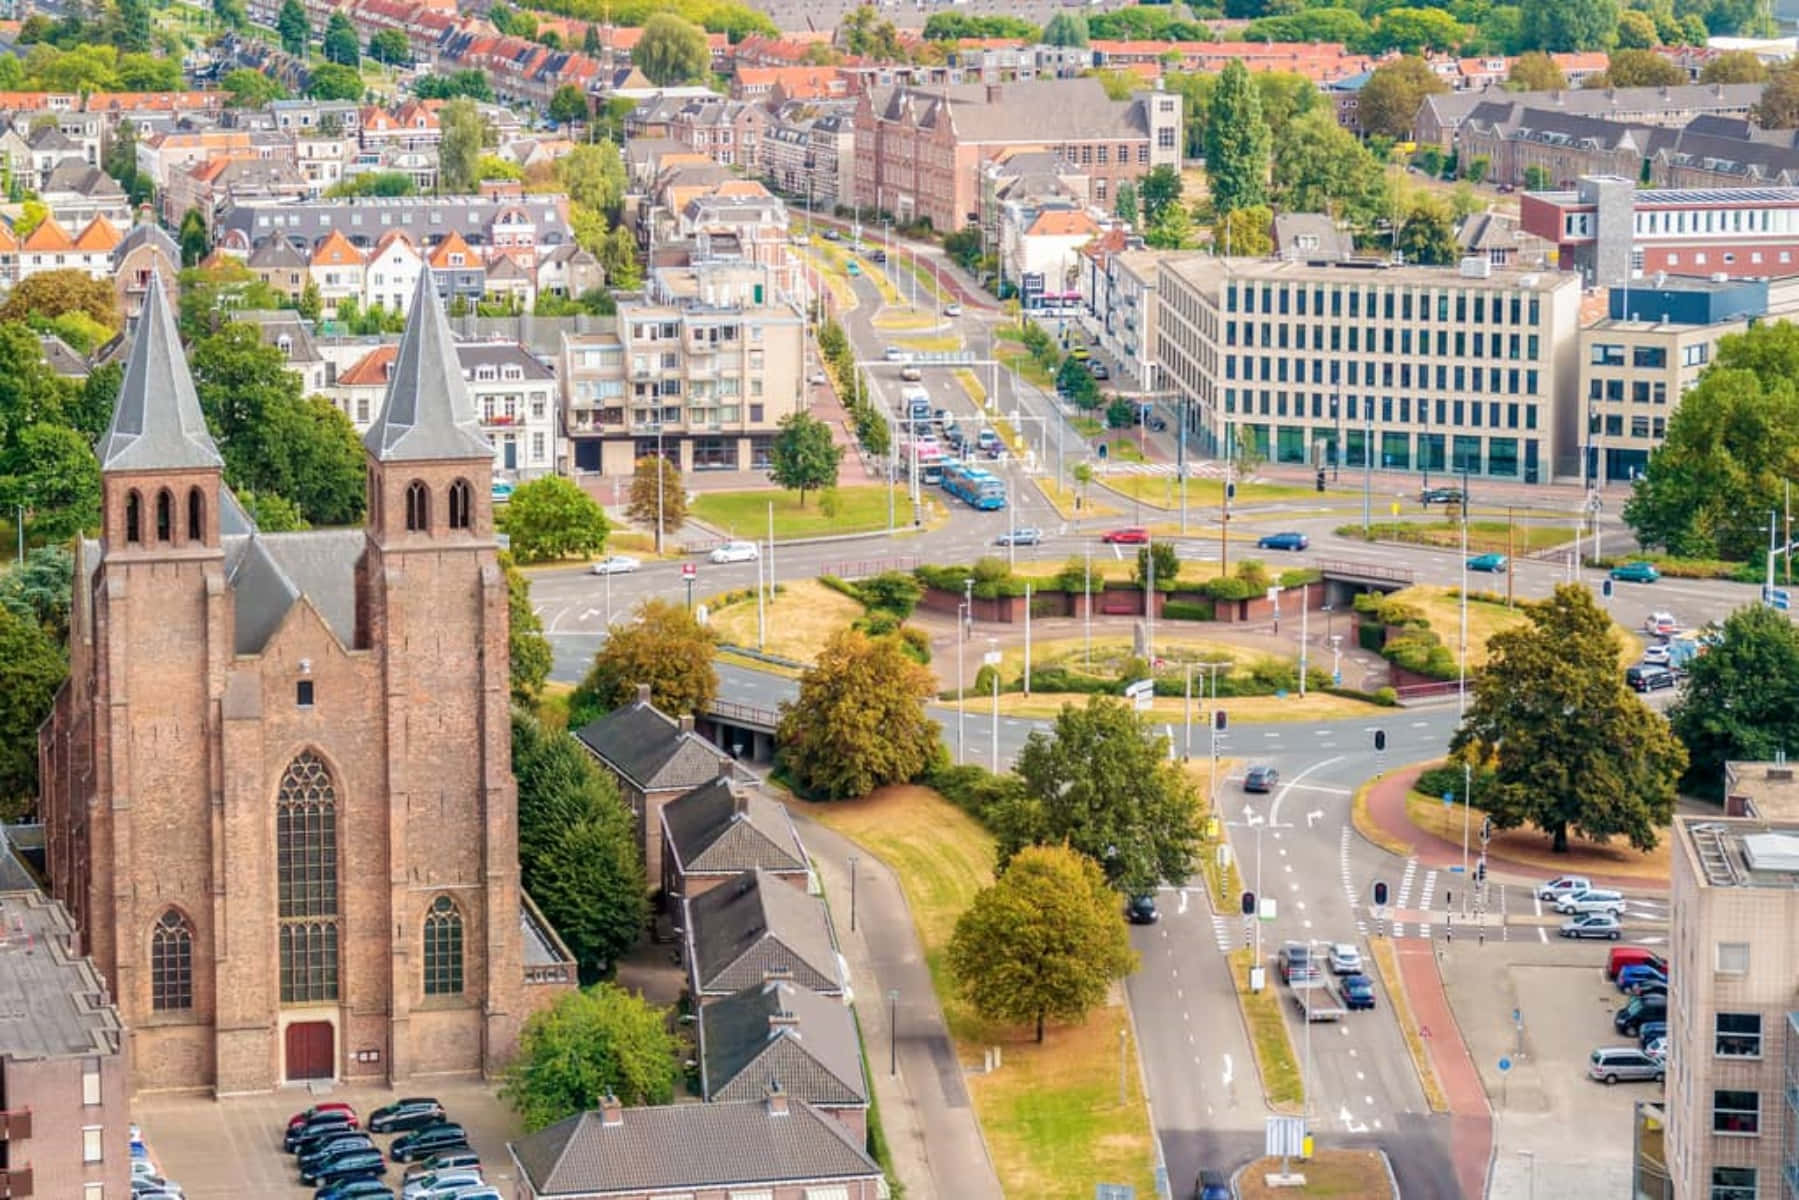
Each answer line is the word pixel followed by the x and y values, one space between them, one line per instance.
pixel 277 786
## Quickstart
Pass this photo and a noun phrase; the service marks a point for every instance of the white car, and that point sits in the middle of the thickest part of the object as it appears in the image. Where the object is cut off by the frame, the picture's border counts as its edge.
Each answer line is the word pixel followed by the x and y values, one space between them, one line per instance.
pixel 1563 885
pixel 1661 622
pixel 616 564
pixel 819 379
pixel 1657 655
pixel 443 1183
pixel 735 552
pixel 895 354
pixel 1345 959
pixel 952 309
pixel 1594 900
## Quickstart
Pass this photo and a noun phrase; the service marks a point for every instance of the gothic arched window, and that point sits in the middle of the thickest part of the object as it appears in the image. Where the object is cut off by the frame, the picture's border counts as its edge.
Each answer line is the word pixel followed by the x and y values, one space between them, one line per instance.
pixel 418 507
pixel 172 963
pixel 443 948
pixel 306 878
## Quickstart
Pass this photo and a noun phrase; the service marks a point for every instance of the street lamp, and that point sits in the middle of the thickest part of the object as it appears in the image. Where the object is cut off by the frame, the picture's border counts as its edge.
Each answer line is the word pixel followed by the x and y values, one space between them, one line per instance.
pixel 661 471
pixel 892 1032
pixel 852 893
pixel 964 618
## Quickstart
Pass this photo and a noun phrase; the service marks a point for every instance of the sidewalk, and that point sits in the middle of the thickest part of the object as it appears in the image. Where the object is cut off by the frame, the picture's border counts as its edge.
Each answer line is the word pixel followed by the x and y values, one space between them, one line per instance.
pixel 931 1129
pixel 1470 1114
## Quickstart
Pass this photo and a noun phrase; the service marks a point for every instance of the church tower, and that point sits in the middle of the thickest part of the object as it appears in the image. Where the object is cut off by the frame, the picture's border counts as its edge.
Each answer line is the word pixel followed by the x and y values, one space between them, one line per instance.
pixel 432 601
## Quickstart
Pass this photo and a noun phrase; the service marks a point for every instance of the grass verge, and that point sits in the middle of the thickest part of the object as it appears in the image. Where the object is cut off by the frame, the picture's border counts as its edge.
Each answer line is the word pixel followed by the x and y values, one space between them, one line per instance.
pixel 799 622
pixel 1257 710
pixel 1365 824
pixel 1276 1062
pixel 1386 961
pixel 858 509
pixel 1201 492
pixel 755 664
pixel 1050 1115
pixel 1330 1175
pixel 1532 849
pixel 905 319
pixel 1443 610
pixel 1063 498
pixel 977 394
pixel 942 342
pixel 1484 537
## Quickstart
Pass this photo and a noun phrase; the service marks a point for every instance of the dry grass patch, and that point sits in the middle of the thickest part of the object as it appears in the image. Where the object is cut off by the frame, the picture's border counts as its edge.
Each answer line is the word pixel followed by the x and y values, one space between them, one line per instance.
pixel 1063 497
pixel 942 342
pixel 902 318
pixel 1387 963
pixel 1485 618
pixel 803 617
pixel 1278 1066
pixel 1255 710
pixel 1332 1174
pixel 1531 848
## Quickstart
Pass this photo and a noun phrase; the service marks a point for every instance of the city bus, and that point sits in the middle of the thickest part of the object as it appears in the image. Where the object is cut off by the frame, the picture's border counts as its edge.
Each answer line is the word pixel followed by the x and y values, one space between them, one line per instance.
pixel 975 487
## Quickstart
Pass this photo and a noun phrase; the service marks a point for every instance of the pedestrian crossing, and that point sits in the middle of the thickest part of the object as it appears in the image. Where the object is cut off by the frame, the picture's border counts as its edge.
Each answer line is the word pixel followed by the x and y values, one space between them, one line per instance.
pixel 1221 931
pixel 1198 470
pixel 1349 892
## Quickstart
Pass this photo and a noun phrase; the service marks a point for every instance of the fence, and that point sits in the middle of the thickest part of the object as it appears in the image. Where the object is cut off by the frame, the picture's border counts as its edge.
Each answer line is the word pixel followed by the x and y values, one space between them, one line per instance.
pixel 864 568
pixel 1359 570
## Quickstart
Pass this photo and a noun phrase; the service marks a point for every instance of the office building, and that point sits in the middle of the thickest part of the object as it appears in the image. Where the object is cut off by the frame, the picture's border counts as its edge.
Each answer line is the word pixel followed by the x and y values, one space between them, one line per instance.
pixel 1433 369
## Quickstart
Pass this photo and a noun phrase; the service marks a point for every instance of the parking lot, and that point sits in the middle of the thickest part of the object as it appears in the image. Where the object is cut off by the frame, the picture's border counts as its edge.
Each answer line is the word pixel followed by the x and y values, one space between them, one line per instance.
pixel 1576 1131
pixel 231 1149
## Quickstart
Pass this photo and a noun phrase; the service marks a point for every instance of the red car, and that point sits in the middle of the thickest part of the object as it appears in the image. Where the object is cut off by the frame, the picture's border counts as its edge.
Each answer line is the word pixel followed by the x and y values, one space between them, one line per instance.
pixel 1136 535
pixel 329 1106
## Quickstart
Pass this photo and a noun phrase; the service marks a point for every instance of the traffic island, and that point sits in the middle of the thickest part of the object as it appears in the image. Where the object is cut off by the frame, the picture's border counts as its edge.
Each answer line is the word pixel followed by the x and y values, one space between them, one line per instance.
pixel 1337 1174
pixel 1282 1084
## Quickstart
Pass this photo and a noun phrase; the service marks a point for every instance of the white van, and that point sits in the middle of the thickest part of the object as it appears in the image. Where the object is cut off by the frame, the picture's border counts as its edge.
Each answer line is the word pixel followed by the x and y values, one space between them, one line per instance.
pixel 1593 900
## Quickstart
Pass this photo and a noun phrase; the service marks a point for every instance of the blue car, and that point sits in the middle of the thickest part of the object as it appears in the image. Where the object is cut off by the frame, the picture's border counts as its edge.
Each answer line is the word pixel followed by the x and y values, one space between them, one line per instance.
pixel 1651 1031
pixel 1494 563
pixel 1283 541
pixel 1358 992
pixel 356 1189
pixel 1640 973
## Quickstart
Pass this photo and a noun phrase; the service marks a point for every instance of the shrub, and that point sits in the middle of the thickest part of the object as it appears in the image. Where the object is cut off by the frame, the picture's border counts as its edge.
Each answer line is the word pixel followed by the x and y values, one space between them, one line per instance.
pixel 876 624
pixel 1188 610
pixel 1447 779
pixel 974 790
pixel 1073 578
pixel 916 643
pixel 890 592
pixel 1421 652
pixel 1061 679
pixel 992 578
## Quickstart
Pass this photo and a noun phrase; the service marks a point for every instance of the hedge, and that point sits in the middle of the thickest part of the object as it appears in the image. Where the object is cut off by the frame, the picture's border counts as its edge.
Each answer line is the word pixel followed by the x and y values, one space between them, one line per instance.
pixel 991 578
pixel 1689 568
pixel 1447 779
pixel 1188 610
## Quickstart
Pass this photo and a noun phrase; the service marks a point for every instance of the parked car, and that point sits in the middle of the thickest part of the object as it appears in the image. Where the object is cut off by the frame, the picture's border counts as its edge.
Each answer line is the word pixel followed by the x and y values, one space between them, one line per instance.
pixel 1296 964
pixel 1638 972
pixel 952 309
pixel 615 564
pixel 439 1184
pixel 735 552
pixel 324 1125
pixel 500 491
pixel 1648 987
pixel 1593 925
pixel 443 1162
pixel 324 1151
pixel 1260 778
pixel 1101 372
pixel 153 1185
pixel 1440 495
pixel 1609 1064
pixel 1647 677
pixel 1563 885
pixel 877 255
pixel 356 1189
pixel 1657 1048
pixel 352 1164
pixel 1658 655
pixel 1356 992
pixel 329 1106
pixel 484 1192
pixel 1635 572
pixel 1134 535
pixel 422 1143
pixel 1663 623
pixel 1650 1031
pixel 1141 910
pixel 911 374
pixel 1027 536
pixel 1283 541
pixel 1079 352
pixel 1492 563
pixel 1624 956
pixel 1211 1185
pixel 831 235
pixel 409 1112
pixel 1593 900
pixel 1345 959
pixel 819 379
pixel 1629 1019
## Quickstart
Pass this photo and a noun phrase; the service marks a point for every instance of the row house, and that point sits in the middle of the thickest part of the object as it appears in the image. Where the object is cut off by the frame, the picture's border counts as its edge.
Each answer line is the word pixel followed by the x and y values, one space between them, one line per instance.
pixel 420 166
pixel 1441 115
pixel 480 220
pixel 49 247
pixel 1320 62
pixel 76 193
pixel 214 186
pixel 741 221
pixel 760 84
pixel 325 161
pixel 162 156
pixel 338 270
pixel 790 49
pixel 725 131
pixel 252 53
pixel 411 126
pixel 521 70
pixel 50 148
pixel 311 117
pixel 1479 74
pixel 808 152
pixel 458 272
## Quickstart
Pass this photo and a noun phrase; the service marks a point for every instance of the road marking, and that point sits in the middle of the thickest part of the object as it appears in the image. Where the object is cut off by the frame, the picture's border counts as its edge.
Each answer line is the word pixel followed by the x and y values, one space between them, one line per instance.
pixel 1183 908
pixel 1420 724
pixel 1313 817
pixel 1227 1070
pixel 1543 934
pixel 1274 810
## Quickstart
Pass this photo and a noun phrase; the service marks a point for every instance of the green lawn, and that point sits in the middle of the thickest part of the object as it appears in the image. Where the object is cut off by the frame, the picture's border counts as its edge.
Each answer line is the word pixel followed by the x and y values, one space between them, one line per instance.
pixel 1201 492
pixel 745 514
pixel 1483 536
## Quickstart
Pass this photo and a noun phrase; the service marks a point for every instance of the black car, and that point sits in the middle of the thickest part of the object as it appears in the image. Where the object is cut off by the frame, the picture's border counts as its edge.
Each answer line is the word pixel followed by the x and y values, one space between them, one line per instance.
pixel 1647 677
pixel 878 256
pixel 408 1112
pixel 1430 496
pixel 831 235
pixel 325 1125
pixel 1141 910
pixel 1357 992
pixel 326 1149
pixel 1260 779
pixel 1211 1185
pixel 357 1164
pixel 423 1143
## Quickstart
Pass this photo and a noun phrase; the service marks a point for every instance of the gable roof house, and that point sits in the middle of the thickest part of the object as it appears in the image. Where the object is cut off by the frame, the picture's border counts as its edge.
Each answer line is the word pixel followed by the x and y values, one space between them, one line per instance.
pixel 753 928
pixel 338 269
pixel 721 829
pixel 775 1032
pixel 145 253
pixel 655 758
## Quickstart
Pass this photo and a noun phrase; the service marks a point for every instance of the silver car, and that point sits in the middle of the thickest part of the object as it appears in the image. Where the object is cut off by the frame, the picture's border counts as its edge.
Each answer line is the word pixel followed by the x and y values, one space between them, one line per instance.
pixel 1345 959
pixel 615 564
pixel 1593 900
pixel 1593 925
pixel 1609 1064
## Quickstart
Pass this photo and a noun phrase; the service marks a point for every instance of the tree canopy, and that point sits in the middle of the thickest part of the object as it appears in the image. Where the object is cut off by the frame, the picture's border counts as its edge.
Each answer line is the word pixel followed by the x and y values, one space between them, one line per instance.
pixel 1535 71
pixel 527 648
pixel 1101 782
pixel 292 26
pixel 459 150
pixel 1237 143
pixel 600 1040
pixel 551 518
pixel 1045 942
pixel 648 500
pixel 1390 101
pixel 1566 25
pixel 31 669
pixel 1740 701
pixel 672 51
pixel 1319 166
pixel 1571 746
pixel 859 721
pixel 665 648
pixel 803 457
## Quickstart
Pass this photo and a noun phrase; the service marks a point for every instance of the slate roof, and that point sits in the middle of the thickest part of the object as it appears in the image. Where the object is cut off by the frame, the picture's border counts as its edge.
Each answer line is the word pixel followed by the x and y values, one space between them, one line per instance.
pixel 276 252
pixel 157 424
pixel 744 929
pixel 427 415
pixel 651 749
pixel 725 828
pixel 268 574
pixel 775 1032
pixel 1313 237
pixel 677 1147
pixel 84 180
pixel 151 234
pixel 62 357
pixel 1035 110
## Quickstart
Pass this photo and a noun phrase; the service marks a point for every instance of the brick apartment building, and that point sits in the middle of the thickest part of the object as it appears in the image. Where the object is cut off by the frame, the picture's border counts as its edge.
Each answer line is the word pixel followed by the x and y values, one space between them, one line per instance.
pixel 277 790
pixel 919 150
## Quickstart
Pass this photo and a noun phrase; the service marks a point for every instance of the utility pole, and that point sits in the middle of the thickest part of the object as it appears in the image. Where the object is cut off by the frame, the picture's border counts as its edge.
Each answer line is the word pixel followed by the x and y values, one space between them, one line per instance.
pixel 1305 608
pixel 1027 640
pixel 1224 523
pixel 1509 572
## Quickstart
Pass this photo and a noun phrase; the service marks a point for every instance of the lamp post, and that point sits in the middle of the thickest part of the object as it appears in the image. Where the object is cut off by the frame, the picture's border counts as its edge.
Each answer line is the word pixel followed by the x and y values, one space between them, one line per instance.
pixel 1367 467
pixel 993 662
pixel 892 1032
pixel 964 618
pixel 661 470
pixel 852 893
pixel 1462 696
pixel 1337 439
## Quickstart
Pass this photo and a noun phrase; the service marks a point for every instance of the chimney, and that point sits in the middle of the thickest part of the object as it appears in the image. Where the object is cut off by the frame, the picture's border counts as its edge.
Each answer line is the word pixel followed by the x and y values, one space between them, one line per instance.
pixel 994 92
pixel 612 1113
pixel 685 722
pixel 775 1098
pixel 740 802
pixel 643 693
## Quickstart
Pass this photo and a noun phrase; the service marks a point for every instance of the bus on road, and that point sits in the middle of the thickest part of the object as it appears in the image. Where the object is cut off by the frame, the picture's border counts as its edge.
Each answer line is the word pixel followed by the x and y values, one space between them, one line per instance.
pixel 975 487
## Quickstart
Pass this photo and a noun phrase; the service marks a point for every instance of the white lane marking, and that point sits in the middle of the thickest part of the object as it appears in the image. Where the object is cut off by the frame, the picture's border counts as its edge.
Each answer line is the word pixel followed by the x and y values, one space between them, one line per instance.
pixel 1227 1070
pixel 1274 810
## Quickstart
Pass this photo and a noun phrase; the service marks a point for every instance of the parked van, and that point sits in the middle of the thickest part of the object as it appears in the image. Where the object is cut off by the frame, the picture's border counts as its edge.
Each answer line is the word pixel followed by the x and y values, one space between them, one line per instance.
pixel 1625 956
pixel 1629 1019
pixel 1609 1064
pixel 1593 900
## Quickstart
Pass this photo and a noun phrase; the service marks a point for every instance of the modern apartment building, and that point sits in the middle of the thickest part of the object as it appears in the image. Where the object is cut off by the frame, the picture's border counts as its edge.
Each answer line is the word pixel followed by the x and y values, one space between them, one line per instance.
pixel 1732 1108
pixel 64 1124
pixel 1118 286
pixel 1362 362
pixel 1637 364
pixel 701 370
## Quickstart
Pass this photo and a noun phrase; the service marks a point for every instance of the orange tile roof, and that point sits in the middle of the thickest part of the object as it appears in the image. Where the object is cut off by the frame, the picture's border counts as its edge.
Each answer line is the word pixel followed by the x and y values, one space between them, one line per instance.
pixel 372 369
pixel 48 236
pixel 1062 223
pixel 440 253
pixel 392 236
pixel 8 243
pixel 741 187
pixel 336 251
pixel 100 234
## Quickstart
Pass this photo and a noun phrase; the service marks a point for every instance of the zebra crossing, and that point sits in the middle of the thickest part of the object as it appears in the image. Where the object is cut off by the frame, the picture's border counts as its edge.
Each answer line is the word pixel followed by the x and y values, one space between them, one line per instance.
pixel 1349 892
pixel 1197 470
pixel 1221 931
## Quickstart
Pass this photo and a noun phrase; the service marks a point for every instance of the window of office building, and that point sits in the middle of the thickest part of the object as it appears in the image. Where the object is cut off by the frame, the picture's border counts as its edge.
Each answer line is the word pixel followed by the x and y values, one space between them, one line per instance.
pixel 1736 1113
pixel 1395 451
pixel 1290 444
pixel 1466 452
pixel 1739 1035
pixel 715 454
pixel 1733 1183
pixel 1502 457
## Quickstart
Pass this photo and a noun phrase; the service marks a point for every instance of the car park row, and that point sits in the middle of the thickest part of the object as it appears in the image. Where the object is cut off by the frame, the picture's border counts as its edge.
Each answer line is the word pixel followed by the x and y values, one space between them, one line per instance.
pixel 337 1154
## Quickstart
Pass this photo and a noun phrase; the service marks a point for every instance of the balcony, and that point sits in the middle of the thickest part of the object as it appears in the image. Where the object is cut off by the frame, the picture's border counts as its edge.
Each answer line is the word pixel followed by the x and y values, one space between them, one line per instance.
pixel 15 1183
pixel 15 1125
pixel 498 419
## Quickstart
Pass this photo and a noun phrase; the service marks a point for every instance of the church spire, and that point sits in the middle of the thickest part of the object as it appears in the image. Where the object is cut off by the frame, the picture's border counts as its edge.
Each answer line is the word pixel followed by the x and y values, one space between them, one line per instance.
pixel 427 414
pixel 157 424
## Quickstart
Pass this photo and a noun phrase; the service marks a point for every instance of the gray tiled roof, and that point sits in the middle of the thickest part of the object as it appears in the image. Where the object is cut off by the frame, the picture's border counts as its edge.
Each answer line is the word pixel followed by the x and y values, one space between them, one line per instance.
pixel 427 415
pixel 776 1032
pixel 147 233
pixel 743 929
pixel 157 424
pixel 276 252
pixel 1033 110
pixel 690 1146
pixel 723 828
pixel 651 749
pixel 269 572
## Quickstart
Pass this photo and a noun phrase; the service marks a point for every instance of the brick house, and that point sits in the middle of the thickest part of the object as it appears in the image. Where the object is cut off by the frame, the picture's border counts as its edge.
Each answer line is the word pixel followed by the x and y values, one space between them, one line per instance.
pixel 775 1030
pixel 754 927
pixel 720 830
pixel 775 1147
pixel 276 787
pixel 146 253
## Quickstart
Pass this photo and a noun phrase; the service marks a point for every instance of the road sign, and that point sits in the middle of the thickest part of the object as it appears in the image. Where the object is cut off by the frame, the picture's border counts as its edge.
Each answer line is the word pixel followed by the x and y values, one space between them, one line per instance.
pixel 991 658
pixel 1141 694
pixel 688 570
pixel 1284 1137
pixel 1776 598
pixel 1449 799
pixel 1505 1064
pixel 1270 908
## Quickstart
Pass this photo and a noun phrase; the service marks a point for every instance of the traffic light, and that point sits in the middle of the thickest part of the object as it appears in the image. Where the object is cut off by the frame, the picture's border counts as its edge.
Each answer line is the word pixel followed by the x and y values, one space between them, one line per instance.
pixel 1218 720
pixel 1480 871
pixel 1380 895
pixel 1249 904
pixel 1605 588
pixel 1230 491
pixel 1320 480
pixel 1380 739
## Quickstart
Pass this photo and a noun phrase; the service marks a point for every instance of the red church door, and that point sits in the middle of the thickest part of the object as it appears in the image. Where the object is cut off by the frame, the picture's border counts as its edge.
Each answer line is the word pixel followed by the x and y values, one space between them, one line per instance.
pixel 310 1050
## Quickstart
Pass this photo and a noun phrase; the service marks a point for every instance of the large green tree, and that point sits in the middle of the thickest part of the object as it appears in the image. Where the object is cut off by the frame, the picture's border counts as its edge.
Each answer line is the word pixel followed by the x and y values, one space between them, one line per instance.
pixel 1066 29
pixel 41 589
pixel 803 457
pixel 1639 68
pixel 1572 748
pixel 1319 166
pixel 665 648
pixel 292 26
pixel 1556 25
pixel 1389 103
pixel 568 104
pixel 672 51
pixel 1101 782
pixel 334 81
pixel 31 669
pixel 1417 30
pixel 1740 701
pixel 1237 142
pixel 1732 445
pixel 390 46
pixel 658 491
pixel 1735 66
pixel 340 41
pixel 459 150
pixel 552 518
pixel 1427 234
pixel 594 176
pixel 859 720
pixel 528 650
pixel 51 472
pixel 1535 71
pixel 588 1044
pixel 1045 942
pixel 1157 190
